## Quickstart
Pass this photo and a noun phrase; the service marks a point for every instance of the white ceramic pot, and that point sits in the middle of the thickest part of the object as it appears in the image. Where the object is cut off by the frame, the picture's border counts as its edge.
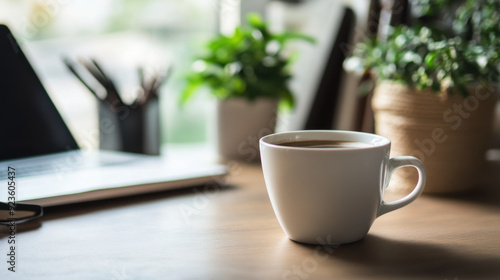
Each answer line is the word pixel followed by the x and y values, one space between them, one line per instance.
pixel 240 125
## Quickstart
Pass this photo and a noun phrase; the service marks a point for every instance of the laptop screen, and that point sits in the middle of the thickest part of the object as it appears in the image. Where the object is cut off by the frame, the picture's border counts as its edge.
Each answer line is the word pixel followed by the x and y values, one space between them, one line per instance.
pixel 31 124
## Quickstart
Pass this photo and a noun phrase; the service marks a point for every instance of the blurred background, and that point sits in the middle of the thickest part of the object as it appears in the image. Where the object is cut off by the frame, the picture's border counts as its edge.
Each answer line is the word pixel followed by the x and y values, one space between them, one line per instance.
pixel 155 34
pixel 122 35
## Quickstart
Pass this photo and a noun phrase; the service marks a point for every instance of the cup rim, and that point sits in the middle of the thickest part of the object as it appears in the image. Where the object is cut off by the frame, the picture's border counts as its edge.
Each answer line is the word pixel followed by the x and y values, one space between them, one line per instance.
pixel 377 141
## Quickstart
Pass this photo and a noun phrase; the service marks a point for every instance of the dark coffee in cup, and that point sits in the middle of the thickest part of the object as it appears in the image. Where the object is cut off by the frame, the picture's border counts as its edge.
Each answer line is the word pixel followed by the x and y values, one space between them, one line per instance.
pixel 324 144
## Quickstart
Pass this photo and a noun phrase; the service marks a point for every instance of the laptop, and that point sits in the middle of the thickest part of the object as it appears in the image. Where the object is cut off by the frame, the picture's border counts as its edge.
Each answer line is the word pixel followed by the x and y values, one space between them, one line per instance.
pixel 40 155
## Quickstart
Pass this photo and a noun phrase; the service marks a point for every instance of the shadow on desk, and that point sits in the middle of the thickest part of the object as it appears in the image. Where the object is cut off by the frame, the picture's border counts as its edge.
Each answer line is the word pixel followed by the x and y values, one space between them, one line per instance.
pixel 486 193
pixel 400 259
pixel 83 208
pixel 482 196
pixel 56 212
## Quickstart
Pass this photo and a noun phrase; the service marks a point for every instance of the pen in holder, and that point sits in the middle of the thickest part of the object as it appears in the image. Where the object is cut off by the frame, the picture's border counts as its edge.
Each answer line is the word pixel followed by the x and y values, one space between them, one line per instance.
pixel 125 127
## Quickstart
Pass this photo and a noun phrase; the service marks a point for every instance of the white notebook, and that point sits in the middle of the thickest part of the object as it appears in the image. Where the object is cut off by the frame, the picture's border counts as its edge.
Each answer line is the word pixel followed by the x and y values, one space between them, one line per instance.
pixel 78 176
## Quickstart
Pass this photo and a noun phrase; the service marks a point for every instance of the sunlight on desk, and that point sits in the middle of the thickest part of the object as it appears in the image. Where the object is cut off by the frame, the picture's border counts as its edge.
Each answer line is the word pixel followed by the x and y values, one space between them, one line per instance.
pixel 232 233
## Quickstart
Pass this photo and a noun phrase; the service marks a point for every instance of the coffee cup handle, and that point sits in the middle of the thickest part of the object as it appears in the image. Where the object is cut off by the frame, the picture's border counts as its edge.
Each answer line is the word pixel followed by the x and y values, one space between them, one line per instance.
pixel 395 163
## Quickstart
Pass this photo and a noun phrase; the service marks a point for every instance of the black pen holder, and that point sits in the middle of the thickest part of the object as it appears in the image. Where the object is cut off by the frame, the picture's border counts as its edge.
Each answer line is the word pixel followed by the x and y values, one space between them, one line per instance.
pixel 134 129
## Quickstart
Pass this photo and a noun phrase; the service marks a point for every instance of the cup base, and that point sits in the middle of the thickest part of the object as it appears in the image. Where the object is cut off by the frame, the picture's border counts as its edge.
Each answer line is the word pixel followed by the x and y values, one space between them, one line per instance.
pixel 327 241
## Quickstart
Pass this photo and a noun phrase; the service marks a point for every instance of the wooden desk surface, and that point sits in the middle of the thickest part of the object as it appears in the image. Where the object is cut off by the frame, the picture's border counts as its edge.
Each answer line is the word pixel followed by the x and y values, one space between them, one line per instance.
pixel 232 233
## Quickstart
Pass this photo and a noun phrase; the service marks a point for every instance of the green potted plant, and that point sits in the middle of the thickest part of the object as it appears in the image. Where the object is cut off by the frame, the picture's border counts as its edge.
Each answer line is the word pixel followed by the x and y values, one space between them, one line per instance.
pixel 436 89
pixel 248 72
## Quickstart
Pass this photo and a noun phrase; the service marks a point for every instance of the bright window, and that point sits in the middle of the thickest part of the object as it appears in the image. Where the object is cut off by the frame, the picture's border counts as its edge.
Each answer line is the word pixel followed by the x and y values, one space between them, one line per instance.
pixel 122 35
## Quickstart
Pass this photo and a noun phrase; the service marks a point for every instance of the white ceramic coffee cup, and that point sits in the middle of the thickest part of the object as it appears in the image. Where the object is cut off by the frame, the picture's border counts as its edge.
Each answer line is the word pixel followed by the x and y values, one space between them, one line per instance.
pixel 331 196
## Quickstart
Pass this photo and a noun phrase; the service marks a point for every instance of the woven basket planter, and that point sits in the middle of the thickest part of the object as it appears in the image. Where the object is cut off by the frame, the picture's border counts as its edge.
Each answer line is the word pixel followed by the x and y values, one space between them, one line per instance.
pixel 448 133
